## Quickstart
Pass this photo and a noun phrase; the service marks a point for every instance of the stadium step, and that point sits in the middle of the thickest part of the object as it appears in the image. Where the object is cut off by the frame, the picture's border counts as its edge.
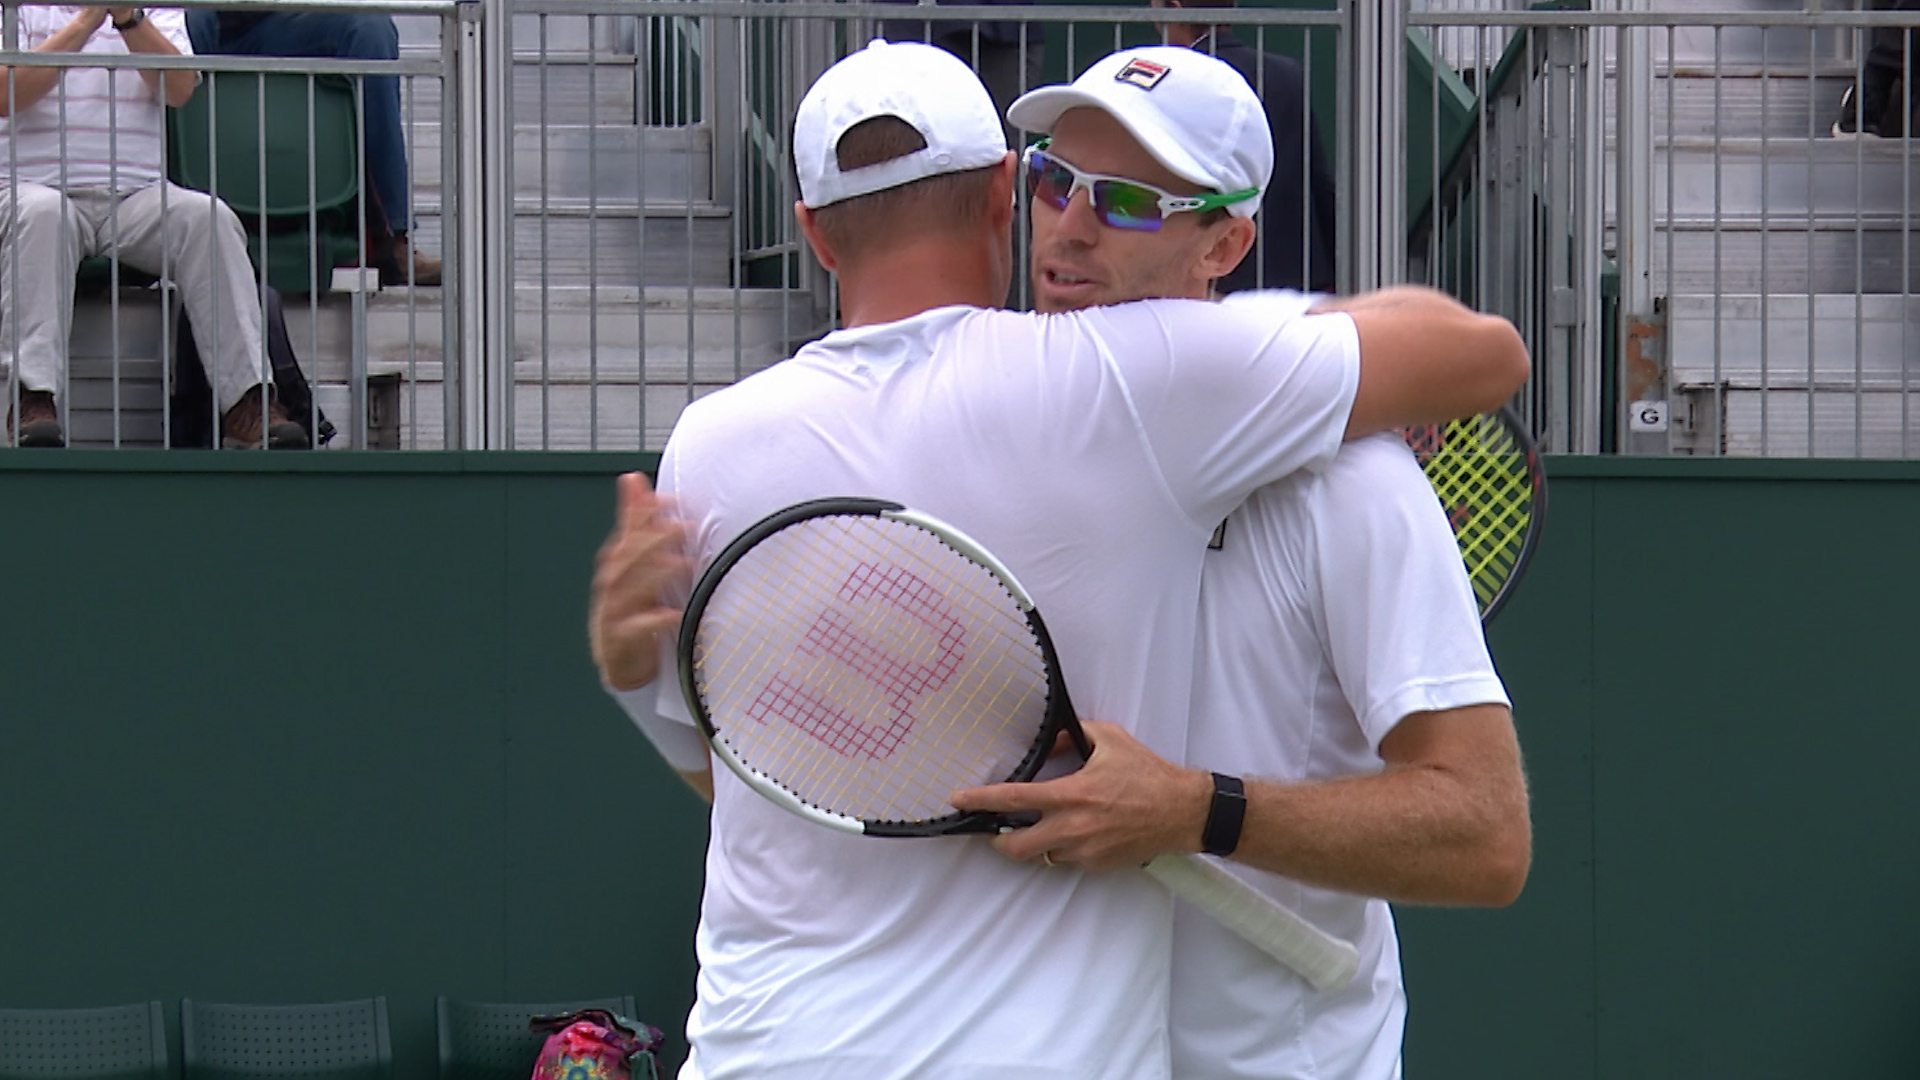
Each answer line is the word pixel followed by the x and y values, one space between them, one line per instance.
pixel 578 355
pixel 134 330
pixel 577 162
pixel 1745 102
pixel 559 87
pixel 611 244
pixel 579 32
pixel 578 365
pixel 1834 374
pixel 99 413
pixel 1742 177
pixel 1833 256
pixel 1703 46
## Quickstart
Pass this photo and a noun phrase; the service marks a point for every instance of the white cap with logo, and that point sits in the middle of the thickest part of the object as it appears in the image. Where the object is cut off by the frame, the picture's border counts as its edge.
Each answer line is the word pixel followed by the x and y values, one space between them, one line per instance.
pixel 925 86
pixel 1192 112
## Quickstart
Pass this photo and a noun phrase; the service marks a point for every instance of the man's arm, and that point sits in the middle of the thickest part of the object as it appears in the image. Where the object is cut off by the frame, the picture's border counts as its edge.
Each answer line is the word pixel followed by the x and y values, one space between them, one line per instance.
pixel 1444 823
pixel 21 87
pixel 174 87
pixel 1425 358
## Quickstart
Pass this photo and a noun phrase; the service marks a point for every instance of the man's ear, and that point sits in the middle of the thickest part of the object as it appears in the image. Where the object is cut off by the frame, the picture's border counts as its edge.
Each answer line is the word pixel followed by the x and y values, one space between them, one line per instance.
pixel 1230 244
pixel 1002 198
pixel 810 228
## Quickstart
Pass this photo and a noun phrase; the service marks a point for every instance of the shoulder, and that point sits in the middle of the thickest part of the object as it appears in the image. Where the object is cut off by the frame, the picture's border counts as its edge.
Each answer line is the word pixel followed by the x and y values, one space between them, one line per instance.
pixel 738 407
pixel 1375 478
pixel 1363 477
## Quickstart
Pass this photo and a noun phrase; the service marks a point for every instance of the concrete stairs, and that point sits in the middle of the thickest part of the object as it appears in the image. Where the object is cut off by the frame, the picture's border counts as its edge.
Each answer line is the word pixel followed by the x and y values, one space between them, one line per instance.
pixel 595 366
pixel 1786 258
pixel 623 271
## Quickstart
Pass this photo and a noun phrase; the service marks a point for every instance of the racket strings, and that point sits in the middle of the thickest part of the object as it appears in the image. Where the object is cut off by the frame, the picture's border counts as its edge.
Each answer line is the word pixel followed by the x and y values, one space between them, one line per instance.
pixel 986 606
pixel 916 786
pixel 906 670
pixel 1484 479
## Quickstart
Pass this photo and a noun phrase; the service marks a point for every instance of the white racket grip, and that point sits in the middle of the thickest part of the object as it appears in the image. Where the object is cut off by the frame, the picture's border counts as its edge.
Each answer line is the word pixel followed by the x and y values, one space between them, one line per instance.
pixel 1321 959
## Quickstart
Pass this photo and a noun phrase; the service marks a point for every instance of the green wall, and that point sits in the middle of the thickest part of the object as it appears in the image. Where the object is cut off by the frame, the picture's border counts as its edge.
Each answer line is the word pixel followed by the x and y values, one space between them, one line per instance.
pixel 302 735
pixel 1704 663
pixel 304 728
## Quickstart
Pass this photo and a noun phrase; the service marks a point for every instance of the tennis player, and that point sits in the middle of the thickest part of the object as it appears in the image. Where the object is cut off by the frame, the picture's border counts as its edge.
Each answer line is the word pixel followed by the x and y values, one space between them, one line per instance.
pixel 1340 657
pixel 1094 452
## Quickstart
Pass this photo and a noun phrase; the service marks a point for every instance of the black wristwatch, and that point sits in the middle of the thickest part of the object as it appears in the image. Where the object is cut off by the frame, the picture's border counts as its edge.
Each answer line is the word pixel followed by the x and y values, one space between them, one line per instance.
pixel 1225 815
pixel 139 16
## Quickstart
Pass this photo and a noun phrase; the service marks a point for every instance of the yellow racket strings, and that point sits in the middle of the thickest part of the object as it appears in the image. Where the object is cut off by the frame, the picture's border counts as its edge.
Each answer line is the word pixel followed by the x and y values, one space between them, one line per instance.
pixel 1481 474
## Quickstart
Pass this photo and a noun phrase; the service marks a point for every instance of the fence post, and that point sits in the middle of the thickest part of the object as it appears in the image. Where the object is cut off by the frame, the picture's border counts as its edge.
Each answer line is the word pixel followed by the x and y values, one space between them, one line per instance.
pixel 1568 372
pixel 1641 376
pixel 1589 221
pixel 1377 31
pixel 463 378
pixel 479 229
pixel 497 207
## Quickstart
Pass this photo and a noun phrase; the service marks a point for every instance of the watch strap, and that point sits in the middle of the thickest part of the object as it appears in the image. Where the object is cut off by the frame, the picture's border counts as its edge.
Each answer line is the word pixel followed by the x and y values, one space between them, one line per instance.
pixel 1225 815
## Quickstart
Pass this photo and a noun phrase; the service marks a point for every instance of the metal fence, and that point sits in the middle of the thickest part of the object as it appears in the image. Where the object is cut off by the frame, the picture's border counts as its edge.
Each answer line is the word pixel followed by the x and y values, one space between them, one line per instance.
pixel 1655 193
pixel 1650 191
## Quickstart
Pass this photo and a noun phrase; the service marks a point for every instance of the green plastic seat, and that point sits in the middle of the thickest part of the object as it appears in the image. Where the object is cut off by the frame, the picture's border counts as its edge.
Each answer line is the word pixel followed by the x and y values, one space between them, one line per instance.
pixel 217 143
pixel 119 1042
pixel 341 1040
pixel 491 1041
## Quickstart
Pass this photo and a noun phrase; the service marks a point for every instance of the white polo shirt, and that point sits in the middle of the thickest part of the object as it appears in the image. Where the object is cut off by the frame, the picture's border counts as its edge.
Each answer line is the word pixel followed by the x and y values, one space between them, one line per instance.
pixel 1337 606
pixel 1093 453
pixel 96 128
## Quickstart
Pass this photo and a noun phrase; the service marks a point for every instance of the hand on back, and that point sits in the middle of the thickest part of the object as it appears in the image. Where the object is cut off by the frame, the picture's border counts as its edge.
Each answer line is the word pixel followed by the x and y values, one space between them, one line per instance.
pixel 639 574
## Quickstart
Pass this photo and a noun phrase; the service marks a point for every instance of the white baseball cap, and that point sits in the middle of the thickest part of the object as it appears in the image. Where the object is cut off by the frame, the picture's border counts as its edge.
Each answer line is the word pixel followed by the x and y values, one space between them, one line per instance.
pixel 1192 112
pixel 926 86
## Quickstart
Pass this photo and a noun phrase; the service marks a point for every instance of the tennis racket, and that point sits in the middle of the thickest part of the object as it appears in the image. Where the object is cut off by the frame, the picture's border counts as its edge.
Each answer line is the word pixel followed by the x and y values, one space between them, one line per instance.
pixel 856 662
pixel 1486 471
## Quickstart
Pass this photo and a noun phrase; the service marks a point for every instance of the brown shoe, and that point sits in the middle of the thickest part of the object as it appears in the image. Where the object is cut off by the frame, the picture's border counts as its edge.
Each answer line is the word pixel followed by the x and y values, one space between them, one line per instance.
pixel 240 429
pixel 39 420
pixel 426 270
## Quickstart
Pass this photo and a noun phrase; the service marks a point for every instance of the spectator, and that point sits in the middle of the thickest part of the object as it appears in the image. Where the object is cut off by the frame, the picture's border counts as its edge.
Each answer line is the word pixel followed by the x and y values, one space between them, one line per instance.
pixel 87 146
pixel 346 36
pixel 1296 245
pixel 1009 56
pixel 1868 108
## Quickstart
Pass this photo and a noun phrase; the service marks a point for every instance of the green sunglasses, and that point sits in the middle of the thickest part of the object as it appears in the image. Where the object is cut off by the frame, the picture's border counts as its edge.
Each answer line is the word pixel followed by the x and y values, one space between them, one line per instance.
pixel 1119 203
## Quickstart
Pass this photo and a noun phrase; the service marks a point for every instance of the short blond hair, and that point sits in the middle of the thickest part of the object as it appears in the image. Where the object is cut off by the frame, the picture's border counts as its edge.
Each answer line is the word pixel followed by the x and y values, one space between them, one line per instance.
pixel 949 203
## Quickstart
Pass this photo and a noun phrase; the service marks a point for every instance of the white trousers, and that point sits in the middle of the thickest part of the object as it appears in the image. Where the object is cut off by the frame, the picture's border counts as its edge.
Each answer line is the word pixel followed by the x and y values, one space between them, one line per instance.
pixel 188 237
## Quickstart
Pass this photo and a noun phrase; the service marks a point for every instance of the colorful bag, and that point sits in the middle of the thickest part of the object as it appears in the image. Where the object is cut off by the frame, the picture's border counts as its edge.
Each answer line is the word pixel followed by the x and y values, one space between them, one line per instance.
pixel 594 1044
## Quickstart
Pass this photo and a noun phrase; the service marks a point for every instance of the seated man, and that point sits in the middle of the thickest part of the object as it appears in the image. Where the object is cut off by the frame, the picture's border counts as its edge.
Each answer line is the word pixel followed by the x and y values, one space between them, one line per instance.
pixel 346 36
pixel 86 144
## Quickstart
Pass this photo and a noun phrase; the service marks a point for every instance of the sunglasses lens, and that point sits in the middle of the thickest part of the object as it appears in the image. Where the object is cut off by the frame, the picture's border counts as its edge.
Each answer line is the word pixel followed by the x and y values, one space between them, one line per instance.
pixel 1048 181
pixel 1127 206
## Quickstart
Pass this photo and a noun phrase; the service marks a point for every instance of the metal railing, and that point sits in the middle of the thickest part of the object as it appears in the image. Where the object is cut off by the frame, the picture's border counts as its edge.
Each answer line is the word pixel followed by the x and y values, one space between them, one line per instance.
pixel 1648 190
pixel 121 385
pixel 1652 192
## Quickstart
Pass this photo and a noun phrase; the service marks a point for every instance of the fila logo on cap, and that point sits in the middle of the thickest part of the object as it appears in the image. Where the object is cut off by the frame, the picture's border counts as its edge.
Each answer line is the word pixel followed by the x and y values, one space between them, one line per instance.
pixel 1144 74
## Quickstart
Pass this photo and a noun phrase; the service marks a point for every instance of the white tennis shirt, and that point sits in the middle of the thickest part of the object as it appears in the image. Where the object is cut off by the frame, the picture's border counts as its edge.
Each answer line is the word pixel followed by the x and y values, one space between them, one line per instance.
pixel 96 128
pixel 1093 453
pixel 1337 606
